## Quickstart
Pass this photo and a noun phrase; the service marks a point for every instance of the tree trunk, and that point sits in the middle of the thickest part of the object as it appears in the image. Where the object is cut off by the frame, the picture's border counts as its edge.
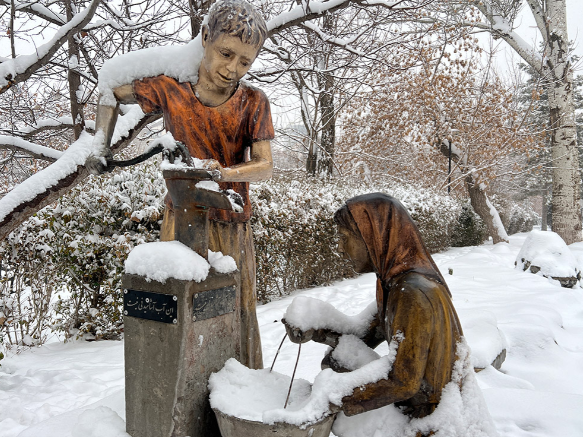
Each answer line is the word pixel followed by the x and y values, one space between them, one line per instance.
pixel 328 124
pixel 312 160
pixel 486 211
pixel 566 179
pixel 478 198
pixel 545 211
pixel 326 84
pixel 73 77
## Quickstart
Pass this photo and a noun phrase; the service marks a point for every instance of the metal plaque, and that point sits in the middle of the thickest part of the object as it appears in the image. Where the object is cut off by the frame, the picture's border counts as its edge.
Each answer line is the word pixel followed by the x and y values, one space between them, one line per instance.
pixel 213 303
pixel 151 306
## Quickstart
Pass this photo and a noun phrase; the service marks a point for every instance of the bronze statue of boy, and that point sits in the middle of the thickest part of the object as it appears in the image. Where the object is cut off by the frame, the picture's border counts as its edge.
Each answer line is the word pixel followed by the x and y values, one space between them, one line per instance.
pixel 223 120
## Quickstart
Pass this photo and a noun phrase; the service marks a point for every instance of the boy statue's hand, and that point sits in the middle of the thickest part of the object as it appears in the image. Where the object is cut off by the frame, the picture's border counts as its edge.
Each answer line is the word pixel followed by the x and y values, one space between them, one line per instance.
pixel 213 164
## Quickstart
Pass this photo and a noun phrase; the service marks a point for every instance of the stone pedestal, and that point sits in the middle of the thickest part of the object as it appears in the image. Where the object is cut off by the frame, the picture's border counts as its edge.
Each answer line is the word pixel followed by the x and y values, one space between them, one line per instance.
pixel 195 328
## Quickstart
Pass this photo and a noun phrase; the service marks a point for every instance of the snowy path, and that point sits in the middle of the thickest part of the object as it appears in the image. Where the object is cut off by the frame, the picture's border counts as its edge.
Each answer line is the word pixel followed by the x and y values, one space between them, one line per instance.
pixel 60 389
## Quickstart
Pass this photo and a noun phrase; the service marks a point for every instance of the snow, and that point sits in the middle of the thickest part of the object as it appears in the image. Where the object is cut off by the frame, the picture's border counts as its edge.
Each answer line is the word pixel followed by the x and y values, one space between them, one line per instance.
pixel 69 161
pixel 461 412
pixel 208 185
pixel 179 62
pixel 19 65
pixel 46 390
pixel 497 221
pixel 162 260
pixel 222 263
pixel 548 251
pixel 33 148
pixel 482 332
pixel 352 353
pixel 308 313
pixel 245 393
pixel 330 387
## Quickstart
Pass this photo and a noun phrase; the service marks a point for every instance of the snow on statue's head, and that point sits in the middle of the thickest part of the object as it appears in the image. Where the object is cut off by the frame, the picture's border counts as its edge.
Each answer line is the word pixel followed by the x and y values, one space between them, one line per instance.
pixel 237 18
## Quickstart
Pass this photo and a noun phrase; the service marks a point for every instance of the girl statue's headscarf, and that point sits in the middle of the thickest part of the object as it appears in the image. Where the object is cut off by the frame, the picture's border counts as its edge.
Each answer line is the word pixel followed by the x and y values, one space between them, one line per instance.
pixel 393 241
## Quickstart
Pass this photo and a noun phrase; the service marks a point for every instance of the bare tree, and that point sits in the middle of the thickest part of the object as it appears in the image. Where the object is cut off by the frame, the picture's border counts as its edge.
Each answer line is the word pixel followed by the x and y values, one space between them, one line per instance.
pixel 555 67
pixel 409 123
pixel 327 60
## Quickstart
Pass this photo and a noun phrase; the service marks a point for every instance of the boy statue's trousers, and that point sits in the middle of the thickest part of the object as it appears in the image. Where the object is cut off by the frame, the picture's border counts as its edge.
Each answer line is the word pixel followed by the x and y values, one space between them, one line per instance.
pixel 236 240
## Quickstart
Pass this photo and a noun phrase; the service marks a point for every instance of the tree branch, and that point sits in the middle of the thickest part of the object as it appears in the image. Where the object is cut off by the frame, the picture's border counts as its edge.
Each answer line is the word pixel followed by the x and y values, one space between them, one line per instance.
pixel 35 150
pixel 14 213
pixel 20 69
pixel 501 28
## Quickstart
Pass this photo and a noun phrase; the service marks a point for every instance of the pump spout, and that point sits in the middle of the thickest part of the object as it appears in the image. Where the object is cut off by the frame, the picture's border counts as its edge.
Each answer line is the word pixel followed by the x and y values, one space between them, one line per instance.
pixel 191 204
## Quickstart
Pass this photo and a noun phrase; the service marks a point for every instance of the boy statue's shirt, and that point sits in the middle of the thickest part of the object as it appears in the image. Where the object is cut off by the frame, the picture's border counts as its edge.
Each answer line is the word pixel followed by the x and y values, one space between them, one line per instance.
pixel 222 133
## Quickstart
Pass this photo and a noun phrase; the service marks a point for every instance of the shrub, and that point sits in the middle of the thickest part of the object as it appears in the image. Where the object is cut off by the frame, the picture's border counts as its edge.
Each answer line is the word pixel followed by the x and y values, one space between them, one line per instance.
pixel 295 235
pixel 469 228
pixel 522 218
pixel 62 268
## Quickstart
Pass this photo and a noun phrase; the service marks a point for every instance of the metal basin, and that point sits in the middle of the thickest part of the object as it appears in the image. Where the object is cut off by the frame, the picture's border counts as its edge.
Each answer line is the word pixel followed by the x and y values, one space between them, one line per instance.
pixel 234 427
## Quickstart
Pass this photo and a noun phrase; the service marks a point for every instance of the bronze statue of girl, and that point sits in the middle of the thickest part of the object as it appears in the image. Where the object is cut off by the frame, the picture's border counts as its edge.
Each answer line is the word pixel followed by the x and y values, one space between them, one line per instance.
pixel 413 300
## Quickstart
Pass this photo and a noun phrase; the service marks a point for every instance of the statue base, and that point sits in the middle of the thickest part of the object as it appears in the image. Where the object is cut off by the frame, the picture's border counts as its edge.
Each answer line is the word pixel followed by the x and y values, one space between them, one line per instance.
pixel 176 334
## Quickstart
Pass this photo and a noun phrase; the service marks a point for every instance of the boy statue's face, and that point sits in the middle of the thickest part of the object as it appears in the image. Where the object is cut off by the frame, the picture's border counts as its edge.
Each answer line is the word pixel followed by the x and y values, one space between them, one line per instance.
pixel 226 60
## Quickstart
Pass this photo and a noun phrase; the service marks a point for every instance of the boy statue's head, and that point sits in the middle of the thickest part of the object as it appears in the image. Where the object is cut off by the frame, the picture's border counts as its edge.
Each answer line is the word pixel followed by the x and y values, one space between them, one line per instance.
pixel 232 38
pixel 237 18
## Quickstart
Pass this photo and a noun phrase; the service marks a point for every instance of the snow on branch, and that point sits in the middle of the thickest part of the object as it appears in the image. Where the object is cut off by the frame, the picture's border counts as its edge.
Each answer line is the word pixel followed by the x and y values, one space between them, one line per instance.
pixel 307 10
pixel 22 67
pixel 58 178
pixel 67 164
pixel 35 150
pixel 501 27
pixel 339 42
pixel 38 10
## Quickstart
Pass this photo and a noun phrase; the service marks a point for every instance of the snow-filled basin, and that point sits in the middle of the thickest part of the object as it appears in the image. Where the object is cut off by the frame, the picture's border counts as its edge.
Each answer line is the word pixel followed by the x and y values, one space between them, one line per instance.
pixel 240 396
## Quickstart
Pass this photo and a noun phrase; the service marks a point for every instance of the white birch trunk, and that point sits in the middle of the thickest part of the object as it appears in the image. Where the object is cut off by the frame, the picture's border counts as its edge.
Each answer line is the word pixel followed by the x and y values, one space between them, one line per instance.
pixel 555 68
pixel 566 178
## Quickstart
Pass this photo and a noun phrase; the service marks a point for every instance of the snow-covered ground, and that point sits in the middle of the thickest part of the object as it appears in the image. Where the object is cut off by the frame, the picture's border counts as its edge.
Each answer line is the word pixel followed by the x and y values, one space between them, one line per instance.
pixel 76 389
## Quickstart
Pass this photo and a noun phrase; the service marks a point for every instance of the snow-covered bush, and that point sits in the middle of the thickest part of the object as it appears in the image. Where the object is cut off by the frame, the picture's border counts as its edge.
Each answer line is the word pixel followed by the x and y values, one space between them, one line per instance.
pixel 295 235
pixel 62 268
pixel 522 218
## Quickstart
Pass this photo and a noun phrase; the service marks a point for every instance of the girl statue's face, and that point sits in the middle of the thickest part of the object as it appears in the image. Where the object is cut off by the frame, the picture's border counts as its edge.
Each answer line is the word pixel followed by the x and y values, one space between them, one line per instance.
pixel 353 247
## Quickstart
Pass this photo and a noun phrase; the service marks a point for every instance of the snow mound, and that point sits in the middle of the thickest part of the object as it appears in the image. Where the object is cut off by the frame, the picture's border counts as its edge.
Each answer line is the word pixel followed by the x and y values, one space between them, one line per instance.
pixel 352 353
pixel 222 263
pixel 99 422
pixel 159 261
pixel 545 253
pixel 481 331
pixel 308 313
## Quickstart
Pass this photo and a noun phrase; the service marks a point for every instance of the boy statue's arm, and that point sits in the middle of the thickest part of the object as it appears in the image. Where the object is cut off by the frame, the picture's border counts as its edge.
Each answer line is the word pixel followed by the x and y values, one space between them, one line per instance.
pixel 259 168
pixel 105 123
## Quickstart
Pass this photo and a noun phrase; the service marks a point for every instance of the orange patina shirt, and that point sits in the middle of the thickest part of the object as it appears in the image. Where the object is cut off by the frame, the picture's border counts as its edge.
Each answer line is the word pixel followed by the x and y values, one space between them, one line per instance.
pixel 223 132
